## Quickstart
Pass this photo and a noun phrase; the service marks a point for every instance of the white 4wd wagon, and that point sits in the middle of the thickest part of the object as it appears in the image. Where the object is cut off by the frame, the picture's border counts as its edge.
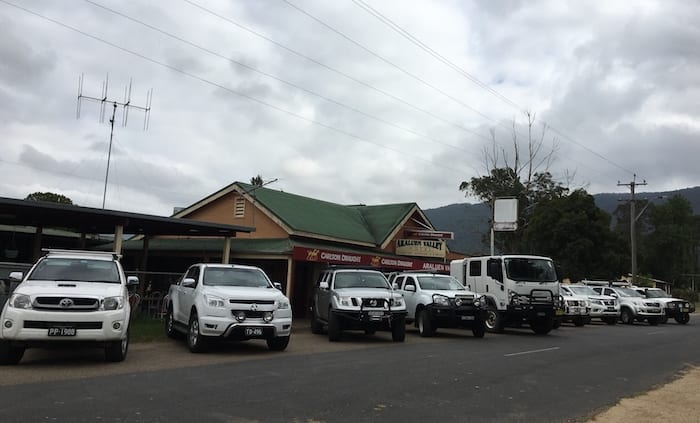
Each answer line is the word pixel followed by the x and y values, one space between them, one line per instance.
pixel 228 302
pixel 68 297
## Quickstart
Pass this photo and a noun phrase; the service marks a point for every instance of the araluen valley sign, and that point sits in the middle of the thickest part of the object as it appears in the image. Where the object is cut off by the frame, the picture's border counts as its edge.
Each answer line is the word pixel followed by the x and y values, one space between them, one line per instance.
pixel 341 257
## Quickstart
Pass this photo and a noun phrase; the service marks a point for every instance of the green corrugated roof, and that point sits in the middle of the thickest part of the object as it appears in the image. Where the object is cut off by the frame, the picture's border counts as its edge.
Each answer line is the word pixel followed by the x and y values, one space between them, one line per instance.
pixel 368 224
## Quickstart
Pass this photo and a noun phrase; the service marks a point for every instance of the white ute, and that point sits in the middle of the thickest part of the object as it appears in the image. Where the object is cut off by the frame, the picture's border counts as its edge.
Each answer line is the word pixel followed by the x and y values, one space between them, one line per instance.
pixel 68 297
pixel 603 307
pixel 228 302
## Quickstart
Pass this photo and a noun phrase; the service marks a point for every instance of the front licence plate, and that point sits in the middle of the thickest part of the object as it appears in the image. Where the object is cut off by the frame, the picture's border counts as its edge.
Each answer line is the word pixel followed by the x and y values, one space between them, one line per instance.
pixel 375 313
pixel 685 310
pixel 467 317
pixel 253 332
pixel 62 331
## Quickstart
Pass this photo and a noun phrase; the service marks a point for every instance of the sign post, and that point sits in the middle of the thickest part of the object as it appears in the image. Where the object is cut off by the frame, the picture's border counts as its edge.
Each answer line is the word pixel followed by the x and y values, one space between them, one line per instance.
pixel 505 217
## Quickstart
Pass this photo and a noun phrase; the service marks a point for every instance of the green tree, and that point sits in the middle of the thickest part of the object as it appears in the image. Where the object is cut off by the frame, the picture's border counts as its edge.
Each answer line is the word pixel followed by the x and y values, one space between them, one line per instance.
pixel 257 181
pixel 49 197
pixel 668 251
pixel 573 231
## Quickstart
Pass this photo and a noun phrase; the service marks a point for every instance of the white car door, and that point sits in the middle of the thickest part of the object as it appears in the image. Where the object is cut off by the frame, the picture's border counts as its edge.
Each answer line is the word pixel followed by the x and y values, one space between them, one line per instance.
pixel 410 295
pixel 185 295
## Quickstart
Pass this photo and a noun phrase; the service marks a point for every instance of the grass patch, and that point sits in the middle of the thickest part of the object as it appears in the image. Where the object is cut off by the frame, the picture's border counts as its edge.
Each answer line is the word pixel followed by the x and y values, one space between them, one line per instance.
pixel 144 328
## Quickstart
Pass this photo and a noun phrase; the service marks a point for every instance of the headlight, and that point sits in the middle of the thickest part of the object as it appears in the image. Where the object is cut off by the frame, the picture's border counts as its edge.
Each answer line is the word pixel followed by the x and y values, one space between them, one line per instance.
pixel 396 302
pixel 113 303
pixel 345 301
pixel 441 300
pixel 20 301
pixel 213 301
pixel 480 301
pixel 283 304
pixel 598 302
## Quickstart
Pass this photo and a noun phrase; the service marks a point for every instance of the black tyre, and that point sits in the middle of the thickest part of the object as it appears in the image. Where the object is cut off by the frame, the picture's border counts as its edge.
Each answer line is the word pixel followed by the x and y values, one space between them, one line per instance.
pixel 578 321
pixel 610 320
pixel 542 326
pixel 278 343
pixel 398 329
pixel 626 316
pixel 683 318
pixel 494 320
pixel 334 327
pixel 116 351
pixel 10 355
pixel 426 327
pixel 316 325
pixel 479 329
pixel 170 330
pixel 195 341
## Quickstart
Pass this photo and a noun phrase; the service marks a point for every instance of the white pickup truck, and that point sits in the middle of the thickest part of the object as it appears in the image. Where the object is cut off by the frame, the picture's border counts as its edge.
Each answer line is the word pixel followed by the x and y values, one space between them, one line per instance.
pixel 68 297
pixel 228 302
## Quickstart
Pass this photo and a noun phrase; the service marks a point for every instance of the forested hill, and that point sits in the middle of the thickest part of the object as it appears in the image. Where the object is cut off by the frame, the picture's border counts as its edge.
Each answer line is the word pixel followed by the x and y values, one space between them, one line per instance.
pixel 470 222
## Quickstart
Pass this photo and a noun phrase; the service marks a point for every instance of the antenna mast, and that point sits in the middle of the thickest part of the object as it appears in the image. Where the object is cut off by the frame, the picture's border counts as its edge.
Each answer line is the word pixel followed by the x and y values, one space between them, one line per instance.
pixel 125 105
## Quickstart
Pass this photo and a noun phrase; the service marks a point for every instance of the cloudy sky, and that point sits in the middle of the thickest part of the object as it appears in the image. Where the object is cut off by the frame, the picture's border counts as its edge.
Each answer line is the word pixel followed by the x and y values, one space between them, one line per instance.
pixel 349 101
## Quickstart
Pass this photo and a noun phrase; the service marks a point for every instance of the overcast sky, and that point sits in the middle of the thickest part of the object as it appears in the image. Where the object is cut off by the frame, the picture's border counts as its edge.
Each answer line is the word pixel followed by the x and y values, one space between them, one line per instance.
pixel 338 101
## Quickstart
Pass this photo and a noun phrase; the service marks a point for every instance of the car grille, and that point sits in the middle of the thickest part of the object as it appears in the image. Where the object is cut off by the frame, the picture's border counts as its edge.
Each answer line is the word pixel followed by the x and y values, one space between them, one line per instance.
pixel 248 302
pixel 249 314
pixel 39 324
pixel 374 302
pixel 66 303
pixel 652 304
pixel 609 302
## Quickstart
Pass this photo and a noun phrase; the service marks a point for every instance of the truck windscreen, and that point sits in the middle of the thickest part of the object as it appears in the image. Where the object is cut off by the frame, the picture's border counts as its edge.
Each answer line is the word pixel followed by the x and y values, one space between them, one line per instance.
pixel 523 269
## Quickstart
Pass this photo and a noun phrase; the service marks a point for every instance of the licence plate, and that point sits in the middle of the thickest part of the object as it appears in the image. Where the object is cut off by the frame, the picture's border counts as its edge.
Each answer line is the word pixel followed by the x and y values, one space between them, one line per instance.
pixel 375 313
pixel 611 309
pixel 541 313
pixel 62 331
pixel 558 313
pixel 467 317
pixel 685 310
pixel 253 331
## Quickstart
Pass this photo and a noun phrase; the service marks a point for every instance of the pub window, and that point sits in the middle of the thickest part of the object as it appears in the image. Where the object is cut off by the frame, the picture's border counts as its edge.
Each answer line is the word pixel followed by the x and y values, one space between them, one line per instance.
pixel 239 207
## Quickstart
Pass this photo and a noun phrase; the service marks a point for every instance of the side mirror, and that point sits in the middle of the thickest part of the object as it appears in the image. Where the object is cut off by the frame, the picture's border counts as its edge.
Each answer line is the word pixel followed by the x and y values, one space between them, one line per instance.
pixel 188 283
pixel 277 285
pixel 132 282
pixel 17 276
pixel 323 285
pixel 409 288
pixel 394 286
pixel 613 295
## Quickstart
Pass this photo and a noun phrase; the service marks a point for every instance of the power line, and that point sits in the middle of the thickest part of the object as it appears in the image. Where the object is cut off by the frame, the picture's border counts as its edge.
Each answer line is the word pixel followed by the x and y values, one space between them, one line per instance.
pixel 232 91
pixel 336 71
pixel 441 58
pixel 394 65
pixel 276 78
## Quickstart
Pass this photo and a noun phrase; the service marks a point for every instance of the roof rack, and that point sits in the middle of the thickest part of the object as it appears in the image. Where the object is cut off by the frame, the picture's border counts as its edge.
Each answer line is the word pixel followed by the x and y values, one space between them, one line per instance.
pixel 110 254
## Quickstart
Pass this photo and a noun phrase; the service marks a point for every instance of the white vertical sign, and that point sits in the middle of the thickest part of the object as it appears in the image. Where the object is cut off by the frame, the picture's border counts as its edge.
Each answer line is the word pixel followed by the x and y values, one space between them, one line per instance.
pixel 505 214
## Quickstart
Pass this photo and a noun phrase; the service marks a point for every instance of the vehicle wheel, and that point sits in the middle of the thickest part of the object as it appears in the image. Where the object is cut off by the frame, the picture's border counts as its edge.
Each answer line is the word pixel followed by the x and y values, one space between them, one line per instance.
pixel 170 330
pixel 626 316
pixel 663 320
pixel 683 318
pixel 116 351
pixel 398 329
pixel 426 328
pixel 9 354
pixel 610 320
pixel 316 325
pixel 479 329
pixel 579 321
pixel 334 327
pixel 542 326
pixel 494 320
pixel 653 321
pixel 195 341
pixel 278 343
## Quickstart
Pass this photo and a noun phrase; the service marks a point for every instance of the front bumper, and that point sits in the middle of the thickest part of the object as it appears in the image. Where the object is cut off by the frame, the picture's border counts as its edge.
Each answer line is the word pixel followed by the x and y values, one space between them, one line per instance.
pixel 598 310
pixel 227 327
pixel 33 326
pixel 368 318
pixel 445 316
pixel 535 311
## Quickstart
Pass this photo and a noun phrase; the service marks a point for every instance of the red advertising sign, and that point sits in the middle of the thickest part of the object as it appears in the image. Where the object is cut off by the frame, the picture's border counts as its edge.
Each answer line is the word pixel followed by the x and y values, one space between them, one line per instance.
pixel 356 259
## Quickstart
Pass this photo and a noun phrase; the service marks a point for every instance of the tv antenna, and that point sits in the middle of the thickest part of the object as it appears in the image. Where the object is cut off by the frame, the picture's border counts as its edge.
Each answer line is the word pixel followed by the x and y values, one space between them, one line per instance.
pixel 125 105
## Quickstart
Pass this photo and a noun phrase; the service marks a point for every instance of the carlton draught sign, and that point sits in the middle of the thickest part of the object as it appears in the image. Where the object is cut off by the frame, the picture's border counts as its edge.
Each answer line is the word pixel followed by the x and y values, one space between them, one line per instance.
pixel 356 259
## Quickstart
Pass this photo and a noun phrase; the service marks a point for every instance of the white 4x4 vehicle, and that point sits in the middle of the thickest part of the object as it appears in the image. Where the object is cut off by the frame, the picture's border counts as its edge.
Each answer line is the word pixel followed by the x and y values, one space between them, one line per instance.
pixel 357 299
pixel 228 302
pixel 68 297
pixel 633 305
pixel 677 308
pixel 575 308
pixel 434 300
pixel 603 307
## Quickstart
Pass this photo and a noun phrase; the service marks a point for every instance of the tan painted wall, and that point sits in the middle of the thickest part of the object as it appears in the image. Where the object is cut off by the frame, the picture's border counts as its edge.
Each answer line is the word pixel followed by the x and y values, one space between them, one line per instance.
pixel 221 211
